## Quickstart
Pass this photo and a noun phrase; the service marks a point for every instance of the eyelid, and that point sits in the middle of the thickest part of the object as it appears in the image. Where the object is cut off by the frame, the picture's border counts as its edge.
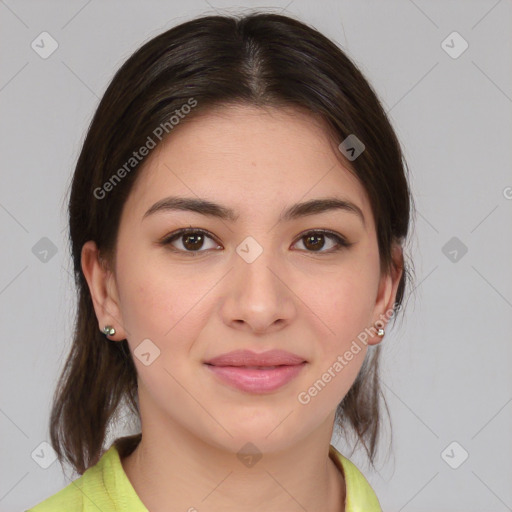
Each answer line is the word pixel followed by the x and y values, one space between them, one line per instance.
pixel 341 240
pixel 333 234
pixel 167 239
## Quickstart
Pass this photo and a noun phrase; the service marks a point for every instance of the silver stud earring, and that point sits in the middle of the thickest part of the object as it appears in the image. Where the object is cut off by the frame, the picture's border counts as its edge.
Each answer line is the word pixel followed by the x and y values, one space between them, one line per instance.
pixel 380 332
pixel 108 330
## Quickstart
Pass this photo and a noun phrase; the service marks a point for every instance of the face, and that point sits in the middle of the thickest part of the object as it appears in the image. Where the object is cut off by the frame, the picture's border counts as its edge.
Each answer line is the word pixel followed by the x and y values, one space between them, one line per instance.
pixel 258 280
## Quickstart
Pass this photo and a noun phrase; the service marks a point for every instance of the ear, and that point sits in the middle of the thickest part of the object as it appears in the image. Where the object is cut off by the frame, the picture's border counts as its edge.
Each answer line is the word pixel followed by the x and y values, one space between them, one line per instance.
pixel 386 295
pixel 103 289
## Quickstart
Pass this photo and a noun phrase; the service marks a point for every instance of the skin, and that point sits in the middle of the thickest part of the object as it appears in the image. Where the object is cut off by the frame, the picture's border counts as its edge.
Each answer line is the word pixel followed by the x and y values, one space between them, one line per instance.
pixel 311 303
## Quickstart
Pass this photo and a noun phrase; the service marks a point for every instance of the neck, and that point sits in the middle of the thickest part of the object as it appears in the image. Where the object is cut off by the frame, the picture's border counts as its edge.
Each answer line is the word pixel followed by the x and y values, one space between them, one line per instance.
pixel 175 471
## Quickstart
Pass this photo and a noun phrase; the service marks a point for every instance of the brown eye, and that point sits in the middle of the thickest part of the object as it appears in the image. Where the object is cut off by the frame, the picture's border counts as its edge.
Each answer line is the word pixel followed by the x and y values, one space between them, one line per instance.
pixel 192 241
pixel 315 241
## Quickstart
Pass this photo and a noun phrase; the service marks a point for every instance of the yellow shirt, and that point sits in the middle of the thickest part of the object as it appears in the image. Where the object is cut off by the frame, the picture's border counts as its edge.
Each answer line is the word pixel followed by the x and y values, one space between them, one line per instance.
pixel 105 487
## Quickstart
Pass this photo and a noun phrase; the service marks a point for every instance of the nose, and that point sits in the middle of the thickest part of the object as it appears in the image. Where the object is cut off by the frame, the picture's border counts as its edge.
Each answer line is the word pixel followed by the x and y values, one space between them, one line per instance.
pixel 258 298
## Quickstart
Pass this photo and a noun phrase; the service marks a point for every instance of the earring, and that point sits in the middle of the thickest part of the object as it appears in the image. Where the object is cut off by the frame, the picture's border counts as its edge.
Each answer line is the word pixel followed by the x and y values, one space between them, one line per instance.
pixel 380 332
pixel 108 330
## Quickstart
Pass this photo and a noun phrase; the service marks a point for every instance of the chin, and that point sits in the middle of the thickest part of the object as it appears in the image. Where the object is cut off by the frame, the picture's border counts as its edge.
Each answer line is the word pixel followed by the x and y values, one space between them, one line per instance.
pixel 268 436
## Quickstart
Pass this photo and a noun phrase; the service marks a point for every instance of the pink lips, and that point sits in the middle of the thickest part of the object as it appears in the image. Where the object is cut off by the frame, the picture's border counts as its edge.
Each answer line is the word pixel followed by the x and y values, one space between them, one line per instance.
pixel 256 373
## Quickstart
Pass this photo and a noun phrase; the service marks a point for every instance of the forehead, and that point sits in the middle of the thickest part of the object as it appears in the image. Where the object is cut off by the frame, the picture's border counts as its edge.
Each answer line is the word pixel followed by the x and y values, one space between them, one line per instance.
pixel 248 158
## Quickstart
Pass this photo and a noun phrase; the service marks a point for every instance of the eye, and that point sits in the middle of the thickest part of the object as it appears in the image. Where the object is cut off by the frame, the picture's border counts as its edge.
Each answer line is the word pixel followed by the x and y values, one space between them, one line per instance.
pixel 192 240
pixel 315 240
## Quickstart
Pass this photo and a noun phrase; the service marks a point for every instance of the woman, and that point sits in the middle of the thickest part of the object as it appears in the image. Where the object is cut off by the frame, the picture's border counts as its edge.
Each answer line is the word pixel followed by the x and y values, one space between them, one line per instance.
pixel 237 216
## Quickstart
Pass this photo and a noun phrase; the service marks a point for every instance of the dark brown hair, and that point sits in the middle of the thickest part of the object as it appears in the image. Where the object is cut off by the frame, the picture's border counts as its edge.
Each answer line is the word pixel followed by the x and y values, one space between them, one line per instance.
pixel 260 59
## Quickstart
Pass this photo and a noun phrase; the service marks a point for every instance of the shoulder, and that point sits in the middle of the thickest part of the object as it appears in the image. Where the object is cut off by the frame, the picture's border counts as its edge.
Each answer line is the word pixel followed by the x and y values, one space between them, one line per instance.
pixel 68 499
pixel 359 493
pixel 102 487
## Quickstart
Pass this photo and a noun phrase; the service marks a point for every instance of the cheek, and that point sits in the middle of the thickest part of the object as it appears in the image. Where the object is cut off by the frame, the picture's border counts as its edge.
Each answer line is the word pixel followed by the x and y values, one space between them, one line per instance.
pixel 343 305
pixel 149 299
pixel 160 302
pixel 342 301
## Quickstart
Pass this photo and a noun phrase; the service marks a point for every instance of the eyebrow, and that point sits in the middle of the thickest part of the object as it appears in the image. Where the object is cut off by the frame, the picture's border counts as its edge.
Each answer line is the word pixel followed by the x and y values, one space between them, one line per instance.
pixel 211 209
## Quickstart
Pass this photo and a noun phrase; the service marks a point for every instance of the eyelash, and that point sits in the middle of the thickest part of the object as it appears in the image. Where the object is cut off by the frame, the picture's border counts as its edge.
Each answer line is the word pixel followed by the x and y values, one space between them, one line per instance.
pixel 341 241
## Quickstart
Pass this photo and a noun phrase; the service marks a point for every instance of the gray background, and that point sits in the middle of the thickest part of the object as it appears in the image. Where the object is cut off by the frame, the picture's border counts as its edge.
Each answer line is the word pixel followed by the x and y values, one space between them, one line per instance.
pixel 446 368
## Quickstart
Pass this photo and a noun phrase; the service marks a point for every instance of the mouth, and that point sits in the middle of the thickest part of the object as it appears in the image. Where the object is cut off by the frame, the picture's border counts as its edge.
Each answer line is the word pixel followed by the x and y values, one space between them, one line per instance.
pixel 251 367
pixel 249 359
pixel 256 379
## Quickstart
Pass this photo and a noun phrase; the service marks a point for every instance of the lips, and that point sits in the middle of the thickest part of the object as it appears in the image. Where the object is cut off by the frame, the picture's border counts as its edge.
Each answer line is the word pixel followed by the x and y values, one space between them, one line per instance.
pixel 269 359
pixel 251 372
